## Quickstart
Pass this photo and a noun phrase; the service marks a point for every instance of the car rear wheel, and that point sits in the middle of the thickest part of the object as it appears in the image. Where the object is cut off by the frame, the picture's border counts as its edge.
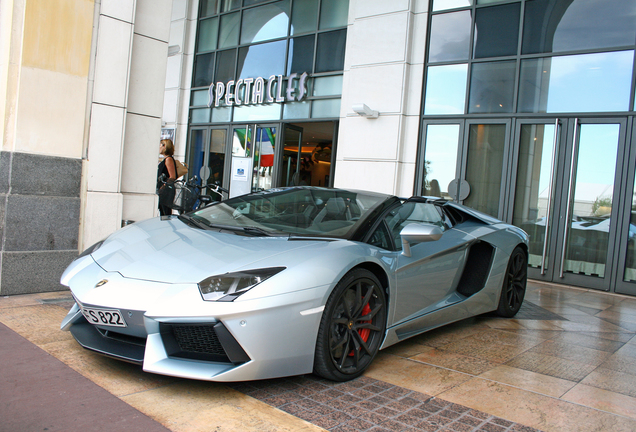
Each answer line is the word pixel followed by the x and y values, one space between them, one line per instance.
pixel 352 327
pixel 514 286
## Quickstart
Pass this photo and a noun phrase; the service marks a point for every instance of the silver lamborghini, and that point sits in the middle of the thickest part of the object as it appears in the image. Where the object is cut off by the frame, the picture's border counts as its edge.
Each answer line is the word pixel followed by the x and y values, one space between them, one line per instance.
pixel 290 281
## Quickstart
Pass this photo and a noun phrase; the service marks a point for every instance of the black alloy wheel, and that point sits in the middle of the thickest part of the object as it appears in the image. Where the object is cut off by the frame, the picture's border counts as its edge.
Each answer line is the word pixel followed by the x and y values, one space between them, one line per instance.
pixel 352 327
pixel 514 286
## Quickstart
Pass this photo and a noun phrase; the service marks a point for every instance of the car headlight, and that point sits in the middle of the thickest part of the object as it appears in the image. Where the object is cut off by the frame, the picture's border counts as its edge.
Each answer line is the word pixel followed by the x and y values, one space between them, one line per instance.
pixel 229 286
pixel 91 249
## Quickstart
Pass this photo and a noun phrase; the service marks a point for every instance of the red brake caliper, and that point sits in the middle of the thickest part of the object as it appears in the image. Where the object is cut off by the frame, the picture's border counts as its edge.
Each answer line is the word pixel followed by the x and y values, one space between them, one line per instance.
pixel 364 333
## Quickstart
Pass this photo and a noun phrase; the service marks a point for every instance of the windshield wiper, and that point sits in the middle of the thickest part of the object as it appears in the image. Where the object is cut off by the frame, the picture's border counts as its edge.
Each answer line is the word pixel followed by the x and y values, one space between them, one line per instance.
pixel 192 221
pixel 249 230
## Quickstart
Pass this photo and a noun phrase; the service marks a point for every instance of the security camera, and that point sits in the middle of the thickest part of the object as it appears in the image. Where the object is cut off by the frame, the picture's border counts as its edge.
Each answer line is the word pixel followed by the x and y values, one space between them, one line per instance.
pixel 365 111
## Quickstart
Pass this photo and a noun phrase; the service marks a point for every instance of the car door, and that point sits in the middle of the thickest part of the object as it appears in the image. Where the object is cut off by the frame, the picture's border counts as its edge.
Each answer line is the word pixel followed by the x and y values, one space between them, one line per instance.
pixel 426 280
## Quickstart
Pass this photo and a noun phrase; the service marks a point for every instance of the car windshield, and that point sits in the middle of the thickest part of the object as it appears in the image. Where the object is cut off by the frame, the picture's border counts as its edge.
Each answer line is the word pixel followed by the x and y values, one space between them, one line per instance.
pixel 302 211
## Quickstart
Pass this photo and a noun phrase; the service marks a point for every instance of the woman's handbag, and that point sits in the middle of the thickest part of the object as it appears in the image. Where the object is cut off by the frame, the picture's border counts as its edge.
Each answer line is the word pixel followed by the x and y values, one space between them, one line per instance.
pixel 182 169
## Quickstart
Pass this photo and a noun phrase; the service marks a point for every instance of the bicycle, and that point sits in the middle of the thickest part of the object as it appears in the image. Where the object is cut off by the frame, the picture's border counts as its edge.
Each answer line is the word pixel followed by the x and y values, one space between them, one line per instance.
pixel 187 194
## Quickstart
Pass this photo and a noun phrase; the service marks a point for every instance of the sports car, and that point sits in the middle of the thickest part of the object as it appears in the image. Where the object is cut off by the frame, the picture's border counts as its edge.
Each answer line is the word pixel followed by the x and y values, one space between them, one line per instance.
pixel 290 281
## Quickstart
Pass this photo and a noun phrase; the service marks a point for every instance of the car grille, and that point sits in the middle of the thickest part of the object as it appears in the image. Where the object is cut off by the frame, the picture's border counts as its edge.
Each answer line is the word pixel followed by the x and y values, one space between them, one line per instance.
pixel 208 342
pixel 198 339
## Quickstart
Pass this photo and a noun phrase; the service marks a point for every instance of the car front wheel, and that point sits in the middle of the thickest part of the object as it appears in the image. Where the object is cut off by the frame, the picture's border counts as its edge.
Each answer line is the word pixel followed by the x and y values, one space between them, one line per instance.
pixel 352 327
pixel 514 286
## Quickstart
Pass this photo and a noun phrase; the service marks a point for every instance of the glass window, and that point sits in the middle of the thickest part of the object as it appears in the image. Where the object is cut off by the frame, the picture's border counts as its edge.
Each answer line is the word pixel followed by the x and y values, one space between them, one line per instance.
pixel 201 115
pixel 583 83
pixel 262 60
pixel 450 4
pixel 229 30
pixel 203 70
pixel 230 5
pixel 301 54
pixel 221 114
pixel 199 98
pixel 226 66
pixel 331 51
pixel 497 30
pixel 304 16
pixel 492 87
pixel 450 36
pixel 326 108
pixel 333 13
pixel 265 22
pixel 440 159
pixel 486 145
pixel 209 7
pixel 446 89
pixel 296 110
pixel 257 112
pixel 252 2
pixel 208 34
pixel 566 25
pixel 328 86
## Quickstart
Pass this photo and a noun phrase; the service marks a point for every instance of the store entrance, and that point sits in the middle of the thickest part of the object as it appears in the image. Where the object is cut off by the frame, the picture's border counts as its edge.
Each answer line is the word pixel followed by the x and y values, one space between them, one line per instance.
pixel 307 154
pixel 568 182
pixel 568 197
pixel 266 155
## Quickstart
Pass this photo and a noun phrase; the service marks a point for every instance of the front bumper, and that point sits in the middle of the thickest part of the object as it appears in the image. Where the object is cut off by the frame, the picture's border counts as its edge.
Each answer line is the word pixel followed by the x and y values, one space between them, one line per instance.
pixel 217 341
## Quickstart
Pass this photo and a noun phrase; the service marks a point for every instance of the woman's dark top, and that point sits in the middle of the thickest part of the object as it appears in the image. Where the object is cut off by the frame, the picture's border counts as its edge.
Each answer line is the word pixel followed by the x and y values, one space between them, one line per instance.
pixel 162 169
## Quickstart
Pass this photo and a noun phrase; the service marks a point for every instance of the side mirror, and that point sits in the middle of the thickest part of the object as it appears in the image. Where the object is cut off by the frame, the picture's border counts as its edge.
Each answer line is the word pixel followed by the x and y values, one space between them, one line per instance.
pixel 418 233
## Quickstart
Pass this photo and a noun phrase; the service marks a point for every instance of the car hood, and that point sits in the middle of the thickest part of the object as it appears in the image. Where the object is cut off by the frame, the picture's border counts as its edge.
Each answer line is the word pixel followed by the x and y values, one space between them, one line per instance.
pixel 168 250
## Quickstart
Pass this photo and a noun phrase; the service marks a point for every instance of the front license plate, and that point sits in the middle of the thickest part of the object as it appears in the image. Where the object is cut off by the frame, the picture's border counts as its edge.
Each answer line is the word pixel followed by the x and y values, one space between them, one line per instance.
pixel 105 317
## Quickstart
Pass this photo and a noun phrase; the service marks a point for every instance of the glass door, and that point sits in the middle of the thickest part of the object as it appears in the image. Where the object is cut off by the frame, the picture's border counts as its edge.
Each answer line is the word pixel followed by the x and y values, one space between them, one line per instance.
pixel 207 155
pixel 264 150
pixel 253 157
pixel 293 140
pixel 568 174
pixel 533 201
pixel 626 268
pixel 466 162
pixel 481 184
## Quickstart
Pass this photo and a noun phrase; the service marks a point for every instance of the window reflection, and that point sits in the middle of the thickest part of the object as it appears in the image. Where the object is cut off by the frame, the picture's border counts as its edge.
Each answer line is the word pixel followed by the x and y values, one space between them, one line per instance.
pixel 208 34
pixel 331 51
pixel 209 7
pixel 440 159
pixel 229 34
pixel 492 87
pixel 225 66
pixel 588 236
pixel 450 4
pixel 450 36
pixel 584 83
pixel 203 70
pixel 301 54
pixel 566 25
pixel 533 189
pixel 262 60
pixel 265 22
pixel 446 89
pixel 304 16
pixel 485 167
pixel 333 13
pixel 497 30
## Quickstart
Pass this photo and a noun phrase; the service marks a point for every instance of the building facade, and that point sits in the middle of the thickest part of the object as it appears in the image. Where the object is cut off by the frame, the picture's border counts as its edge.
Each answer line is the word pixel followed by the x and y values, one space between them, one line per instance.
pixel 523 109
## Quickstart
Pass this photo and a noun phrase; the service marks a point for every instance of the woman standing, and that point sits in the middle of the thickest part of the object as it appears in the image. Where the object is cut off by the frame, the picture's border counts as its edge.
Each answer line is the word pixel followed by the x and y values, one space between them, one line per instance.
pixel 168 168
